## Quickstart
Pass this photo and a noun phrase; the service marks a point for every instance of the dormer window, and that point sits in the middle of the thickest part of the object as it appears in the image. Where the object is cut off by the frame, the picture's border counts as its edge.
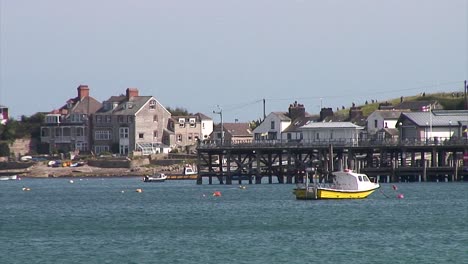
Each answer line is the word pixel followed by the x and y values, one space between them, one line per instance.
pixel 129 105
pixel 152 104
pixel 192 122
pixel 181 122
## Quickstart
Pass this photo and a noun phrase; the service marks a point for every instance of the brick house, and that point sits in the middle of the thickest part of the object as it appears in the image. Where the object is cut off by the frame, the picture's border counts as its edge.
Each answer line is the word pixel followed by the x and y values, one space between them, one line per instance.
pixel 130 122
pixel 69 128
pixel 3 115
pixel 187 129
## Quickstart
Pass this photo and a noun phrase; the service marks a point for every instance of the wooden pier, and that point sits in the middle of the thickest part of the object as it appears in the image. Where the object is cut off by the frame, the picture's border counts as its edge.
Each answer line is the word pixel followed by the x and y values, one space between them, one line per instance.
pixel 289 162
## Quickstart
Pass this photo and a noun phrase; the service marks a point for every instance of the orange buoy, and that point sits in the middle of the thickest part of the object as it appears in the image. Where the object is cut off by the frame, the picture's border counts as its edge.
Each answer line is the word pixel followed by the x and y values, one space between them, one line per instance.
pixel 217 193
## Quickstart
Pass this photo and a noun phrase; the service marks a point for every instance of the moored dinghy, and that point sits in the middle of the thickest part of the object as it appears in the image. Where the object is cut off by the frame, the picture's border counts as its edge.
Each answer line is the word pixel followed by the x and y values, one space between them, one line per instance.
pixel 346 185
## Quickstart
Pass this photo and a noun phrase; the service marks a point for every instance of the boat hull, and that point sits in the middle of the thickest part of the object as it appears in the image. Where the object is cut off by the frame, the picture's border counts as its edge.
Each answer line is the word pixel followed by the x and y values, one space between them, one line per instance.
pixel 325 193
pixel 9 177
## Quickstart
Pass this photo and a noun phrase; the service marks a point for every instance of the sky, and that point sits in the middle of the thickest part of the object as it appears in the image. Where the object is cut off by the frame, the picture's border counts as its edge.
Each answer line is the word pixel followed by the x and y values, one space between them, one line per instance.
pixel 229 55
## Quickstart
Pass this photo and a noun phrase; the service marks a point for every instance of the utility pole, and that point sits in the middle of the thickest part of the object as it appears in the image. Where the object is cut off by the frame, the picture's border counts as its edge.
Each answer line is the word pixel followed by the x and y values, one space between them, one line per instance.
pixel 264 114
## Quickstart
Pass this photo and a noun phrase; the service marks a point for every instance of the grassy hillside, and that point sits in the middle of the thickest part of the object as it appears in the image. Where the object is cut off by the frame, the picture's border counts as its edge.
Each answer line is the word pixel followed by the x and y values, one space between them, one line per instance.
pixel 449 101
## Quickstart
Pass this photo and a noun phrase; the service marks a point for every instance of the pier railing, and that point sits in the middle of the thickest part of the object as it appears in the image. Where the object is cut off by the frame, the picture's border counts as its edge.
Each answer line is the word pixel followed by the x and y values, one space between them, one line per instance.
pixel 280 143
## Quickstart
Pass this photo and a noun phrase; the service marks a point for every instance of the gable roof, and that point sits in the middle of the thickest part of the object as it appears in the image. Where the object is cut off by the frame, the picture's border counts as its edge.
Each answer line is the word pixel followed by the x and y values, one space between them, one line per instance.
pixel 236 129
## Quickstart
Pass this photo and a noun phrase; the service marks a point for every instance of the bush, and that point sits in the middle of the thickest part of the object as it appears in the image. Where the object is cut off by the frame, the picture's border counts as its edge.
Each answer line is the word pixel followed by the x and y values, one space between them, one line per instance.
pixel 4 150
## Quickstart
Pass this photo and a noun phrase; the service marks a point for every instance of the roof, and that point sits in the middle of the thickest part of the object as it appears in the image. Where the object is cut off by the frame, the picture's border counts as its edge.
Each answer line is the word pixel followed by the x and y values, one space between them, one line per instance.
pixel 299 122
pixel 436 118
pixel 237 129
pixel 388 114
pixel 2 106
pixel 87 105
pixel 198 116
pixel 126 107
pixel 283 116
pixel 330 125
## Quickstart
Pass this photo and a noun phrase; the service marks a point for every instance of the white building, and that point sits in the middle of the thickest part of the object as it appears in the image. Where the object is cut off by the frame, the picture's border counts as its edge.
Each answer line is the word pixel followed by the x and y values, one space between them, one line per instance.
pixel 331 133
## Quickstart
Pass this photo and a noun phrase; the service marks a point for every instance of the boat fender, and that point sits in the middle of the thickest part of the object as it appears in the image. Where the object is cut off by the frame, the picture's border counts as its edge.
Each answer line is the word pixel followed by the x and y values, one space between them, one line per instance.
pixel 139 190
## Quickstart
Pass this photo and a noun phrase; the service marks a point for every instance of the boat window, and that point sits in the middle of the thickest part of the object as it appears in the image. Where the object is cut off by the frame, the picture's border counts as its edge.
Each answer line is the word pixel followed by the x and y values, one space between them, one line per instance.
pixel 366 179
pixel 360 178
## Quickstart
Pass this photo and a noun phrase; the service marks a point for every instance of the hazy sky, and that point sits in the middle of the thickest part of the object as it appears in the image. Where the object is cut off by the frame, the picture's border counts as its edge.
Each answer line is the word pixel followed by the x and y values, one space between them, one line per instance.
pixel 198 54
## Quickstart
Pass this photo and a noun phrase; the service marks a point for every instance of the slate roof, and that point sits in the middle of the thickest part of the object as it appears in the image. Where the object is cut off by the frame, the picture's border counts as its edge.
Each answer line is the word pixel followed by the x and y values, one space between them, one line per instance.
pixel 299 122
pixel 236 129
pixel 436 118
pixel 389 114
pixel 198 116
pixel 126 107
pixel 87 105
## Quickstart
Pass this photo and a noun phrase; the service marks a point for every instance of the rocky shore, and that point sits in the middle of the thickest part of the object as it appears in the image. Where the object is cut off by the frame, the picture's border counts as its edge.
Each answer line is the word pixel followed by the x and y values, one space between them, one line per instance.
pixel 41 170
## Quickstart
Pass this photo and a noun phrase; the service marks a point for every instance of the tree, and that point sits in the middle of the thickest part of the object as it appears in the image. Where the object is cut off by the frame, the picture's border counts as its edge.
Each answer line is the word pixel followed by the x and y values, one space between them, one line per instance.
pixel 178 111
pixel 4 150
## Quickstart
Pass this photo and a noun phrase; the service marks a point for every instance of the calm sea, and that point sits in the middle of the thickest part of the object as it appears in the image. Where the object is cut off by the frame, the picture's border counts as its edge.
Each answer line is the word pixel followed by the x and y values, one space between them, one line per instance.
pixel 103 220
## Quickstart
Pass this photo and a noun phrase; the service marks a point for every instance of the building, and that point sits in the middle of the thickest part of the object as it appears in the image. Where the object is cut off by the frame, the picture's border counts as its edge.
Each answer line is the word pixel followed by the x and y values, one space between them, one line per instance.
pixel 69 127
pixel 283 125
pixel 381 119
pixel 233 132
pixel 3 115
pixel 130 122
pixel 331 133
pixel 188 129
pixel 436 125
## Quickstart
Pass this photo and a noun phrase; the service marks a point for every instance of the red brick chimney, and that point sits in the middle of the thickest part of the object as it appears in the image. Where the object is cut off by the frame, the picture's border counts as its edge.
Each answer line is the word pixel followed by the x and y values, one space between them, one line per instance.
pixel 83 91
pixel 132 92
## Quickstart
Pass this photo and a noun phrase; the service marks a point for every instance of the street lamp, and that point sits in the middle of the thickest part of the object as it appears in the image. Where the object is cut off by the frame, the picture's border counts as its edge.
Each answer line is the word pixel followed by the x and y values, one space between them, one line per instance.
pixel 450 129
pixel 220 112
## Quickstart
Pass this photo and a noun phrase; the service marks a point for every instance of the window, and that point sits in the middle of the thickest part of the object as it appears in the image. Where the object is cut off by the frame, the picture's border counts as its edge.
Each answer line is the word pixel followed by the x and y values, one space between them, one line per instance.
pixel 124 149
pixel 108 118
pixel 83 146
pixel 57 132
pixel 121 118
pixel 360 178
pixel 192 122
pixel 181 122
pixel 317 135
pixel 272 125
pixel 101 148
pixel 152 104
pixel 79 132
pixel 375 123
pixel 190 136
pixel 331 134
pixel 179 137
pixel 289 136
pixel 155 118
pixel 130 119
pixel 98 119
pixel 141 135
pixel 123 132
pixel 155 134
pixel 102 135
pixel 45 132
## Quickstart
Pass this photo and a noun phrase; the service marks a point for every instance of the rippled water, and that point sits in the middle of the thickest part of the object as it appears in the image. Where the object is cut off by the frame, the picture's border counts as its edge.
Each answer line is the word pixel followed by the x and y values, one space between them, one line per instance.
pixel 105 221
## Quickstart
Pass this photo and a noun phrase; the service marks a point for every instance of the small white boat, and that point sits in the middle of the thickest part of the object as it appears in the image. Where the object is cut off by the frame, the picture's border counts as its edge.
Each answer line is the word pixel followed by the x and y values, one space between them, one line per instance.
pixel 346 185
pixel 8 177
pixel 158 177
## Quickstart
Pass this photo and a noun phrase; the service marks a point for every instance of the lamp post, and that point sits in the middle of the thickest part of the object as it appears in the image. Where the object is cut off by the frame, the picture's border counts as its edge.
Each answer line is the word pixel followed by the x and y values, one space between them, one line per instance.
pixel 220 112
pixel 450 129
pixel 401 132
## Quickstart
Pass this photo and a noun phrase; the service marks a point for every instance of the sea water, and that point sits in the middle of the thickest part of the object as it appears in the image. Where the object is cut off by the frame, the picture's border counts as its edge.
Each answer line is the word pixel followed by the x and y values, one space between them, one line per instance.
pixel 104 220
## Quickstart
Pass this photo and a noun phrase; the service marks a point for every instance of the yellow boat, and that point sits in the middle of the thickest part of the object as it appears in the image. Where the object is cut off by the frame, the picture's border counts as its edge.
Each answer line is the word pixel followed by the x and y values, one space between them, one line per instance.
pixel 346 185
